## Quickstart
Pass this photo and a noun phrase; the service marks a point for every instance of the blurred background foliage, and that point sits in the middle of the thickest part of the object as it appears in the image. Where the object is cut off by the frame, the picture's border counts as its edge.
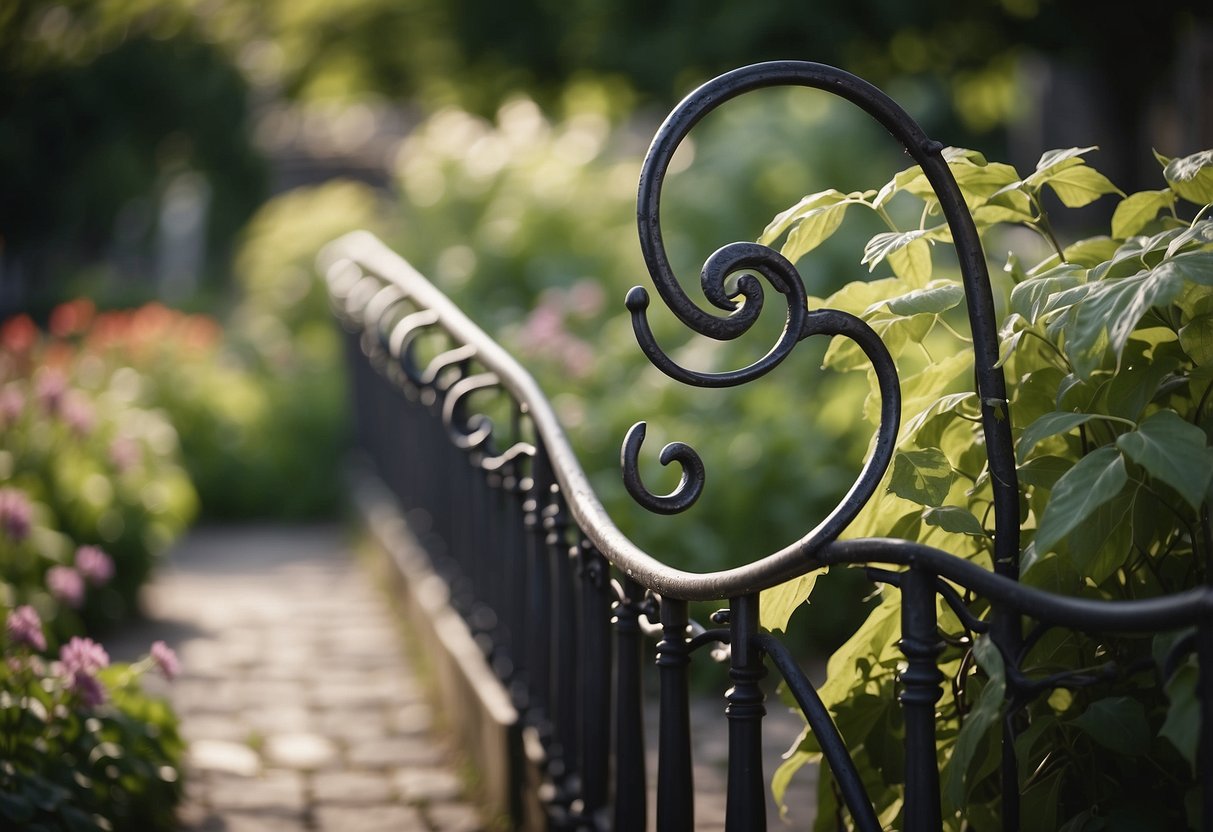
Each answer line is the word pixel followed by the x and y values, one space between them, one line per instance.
pixel 198 152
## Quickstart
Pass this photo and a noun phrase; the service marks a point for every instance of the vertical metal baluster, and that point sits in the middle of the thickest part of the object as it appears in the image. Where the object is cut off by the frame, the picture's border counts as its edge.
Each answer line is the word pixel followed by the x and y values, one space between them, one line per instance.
pixel 595 676
pixel 921 689
pixel 514 548
pixel 1204 691
pixel 563 690
pixel 675 797
pixel 630 786
pixel 539 591
pixel 746 808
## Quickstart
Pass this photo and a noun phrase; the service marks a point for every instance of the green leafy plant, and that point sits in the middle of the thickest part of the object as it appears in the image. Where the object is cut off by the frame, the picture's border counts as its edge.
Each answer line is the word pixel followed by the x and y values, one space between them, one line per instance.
pixel 84 462
pixel 1108 351
pixel 82 746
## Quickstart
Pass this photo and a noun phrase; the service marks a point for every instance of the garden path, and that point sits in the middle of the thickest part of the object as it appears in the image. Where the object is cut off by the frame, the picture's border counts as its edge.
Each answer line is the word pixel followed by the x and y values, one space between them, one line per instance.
pixel 296 696
pixel 303 711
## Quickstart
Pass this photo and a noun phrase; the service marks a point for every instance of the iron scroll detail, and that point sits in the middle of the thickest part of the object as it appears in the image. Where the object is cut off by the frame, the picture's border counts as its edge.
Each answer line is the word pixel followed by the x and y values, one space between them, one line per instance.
pixel 744 302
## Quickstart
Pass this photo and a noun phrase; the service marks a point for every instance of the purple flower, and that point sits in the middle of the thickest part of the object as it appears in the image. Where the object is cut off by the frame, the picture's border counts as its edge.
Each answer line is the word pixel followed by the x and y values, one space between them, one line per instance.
pixel 66 584
pixel 25 628
pixel 82 655
pixel 88 688
pixel 15 514
pixel 94 564
pixel 79 661
pixel 166 660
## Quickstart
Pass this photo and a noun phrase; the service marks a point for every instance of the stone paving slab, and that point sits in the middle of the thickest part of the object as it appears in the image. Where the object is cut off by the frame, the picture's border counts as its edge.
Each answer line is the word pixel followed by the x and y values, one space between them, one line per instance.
pixel 300 708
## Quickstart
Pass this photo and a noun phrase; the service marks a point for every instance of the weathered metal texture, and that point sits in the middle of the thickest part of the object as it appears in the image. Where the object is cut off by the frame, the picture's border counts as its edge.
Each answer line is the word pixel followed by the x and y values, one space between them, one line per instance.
pixel 529 552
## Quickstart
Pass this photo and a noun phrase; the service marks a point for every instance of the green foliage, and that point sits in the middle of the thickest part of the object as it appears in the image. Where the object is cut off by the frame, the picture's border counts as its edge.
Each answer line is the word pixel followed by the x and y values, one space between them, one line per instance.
pixel 98 464
pixel 71 763
pixel 1106 352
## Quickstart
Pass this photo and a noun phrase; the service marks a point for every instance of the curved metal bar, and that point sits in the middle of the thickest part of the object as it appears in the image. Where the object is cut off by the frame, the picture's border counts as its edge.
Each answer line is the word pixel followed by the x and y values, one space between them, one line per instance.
pixel 407 328
pixel 519 450
pixel 823 727
pixel 476 429
pixel 688 489
pixel 1084 614
pixel 444 360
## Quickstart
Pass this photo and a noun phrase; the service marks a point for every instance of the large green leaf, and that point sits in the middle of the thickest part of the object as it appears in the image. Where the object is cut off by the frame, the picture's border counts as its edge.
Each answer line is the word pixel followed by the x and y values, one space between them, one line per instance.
pixel 1111 310
pixel 806 206
pixel 1118 723
pixel 1090 251
pixel 1173 451
pixel 1041 294
pixel 1094 479
pixel 980 720
pixel 1192 177
pixel 1143 368
pixel 1061 158
pixel 1198 234
pixel 1048 425
pixel 1044 471
pixel 1080 185
pixel 1192 266
pixel 1101 543
pixel 934 299
pixel 884 244
pixel 813 229
pixel 777 604
pixel 954 519
pixel 912 261
pixel 1136 211
pixel 944 405
pixel 922 476
pixel 1196 337
pixel 1182 726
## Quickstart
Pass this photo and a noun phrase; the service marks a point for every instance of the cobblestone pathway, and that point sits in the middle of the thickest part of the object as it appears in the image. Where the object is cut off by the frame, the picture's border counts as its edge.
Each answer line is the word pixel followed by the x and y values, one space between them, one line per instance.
pixel 301 710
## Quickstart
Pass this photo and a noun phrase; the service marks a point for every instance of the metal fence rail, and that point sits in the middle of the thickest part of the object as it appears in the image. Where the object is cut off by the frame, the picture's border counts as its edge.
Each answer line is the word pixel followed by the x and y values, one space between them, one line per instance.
pixel 561 601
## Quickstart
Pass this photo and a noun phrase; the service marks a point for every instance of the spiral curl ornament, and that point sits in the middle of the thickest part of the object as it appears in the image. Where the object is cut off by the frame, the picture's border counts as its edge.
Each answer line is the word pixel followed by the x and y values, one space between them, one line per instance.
pixel 744 303
pixel 688 489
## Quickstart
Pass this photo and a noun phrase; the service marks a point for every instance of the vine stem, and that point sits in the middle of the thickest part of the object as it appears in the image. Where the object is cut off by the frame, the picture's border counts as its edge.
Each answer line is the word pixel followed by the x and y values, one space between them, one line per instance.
pixel 1044 228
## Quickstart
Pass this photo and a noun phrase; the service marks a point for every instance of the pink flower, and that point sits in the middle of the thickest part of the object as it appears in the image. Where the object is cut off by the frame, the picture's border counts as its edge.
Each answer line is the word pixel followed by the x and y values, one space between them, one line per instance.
pixel 78 413
pixel 83 655
pixel 25 628
pixel 15 514
pixel 165 660
pixel 88 688
pixel 12 405
pixel 50 390
pixel 66 584
pixel 95 565
pixel 79 661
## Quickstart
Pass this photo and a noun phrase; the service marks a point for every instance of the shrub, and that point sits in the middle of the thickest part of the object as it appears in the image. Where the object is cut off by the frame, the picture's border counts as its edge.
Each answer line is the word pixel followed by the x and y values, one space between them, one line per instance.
pixel 85 464
pixel 1106 348
pixel 83 748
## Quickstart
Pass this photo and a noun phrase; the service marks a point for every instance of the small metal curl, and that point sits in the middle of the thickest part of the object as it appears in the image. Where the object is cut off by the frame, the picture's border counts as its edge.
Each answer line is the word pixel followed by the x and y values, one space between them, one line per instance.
pixel 689 488
pixel 734 258
pixel 471 432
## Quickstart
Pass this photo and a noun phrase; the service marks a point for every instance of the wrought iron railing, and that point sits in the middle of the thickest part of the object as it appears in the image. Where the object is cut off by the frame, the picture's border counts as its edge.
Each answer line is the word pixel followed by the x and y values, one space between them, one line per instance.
pixel 560 599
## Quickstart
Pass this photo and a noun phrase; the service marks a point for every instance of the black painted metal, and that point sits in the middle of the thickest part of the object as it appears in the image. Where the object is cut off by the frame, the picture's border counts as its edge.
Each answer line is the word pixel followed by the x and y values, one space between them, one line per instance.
pixel 529 553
